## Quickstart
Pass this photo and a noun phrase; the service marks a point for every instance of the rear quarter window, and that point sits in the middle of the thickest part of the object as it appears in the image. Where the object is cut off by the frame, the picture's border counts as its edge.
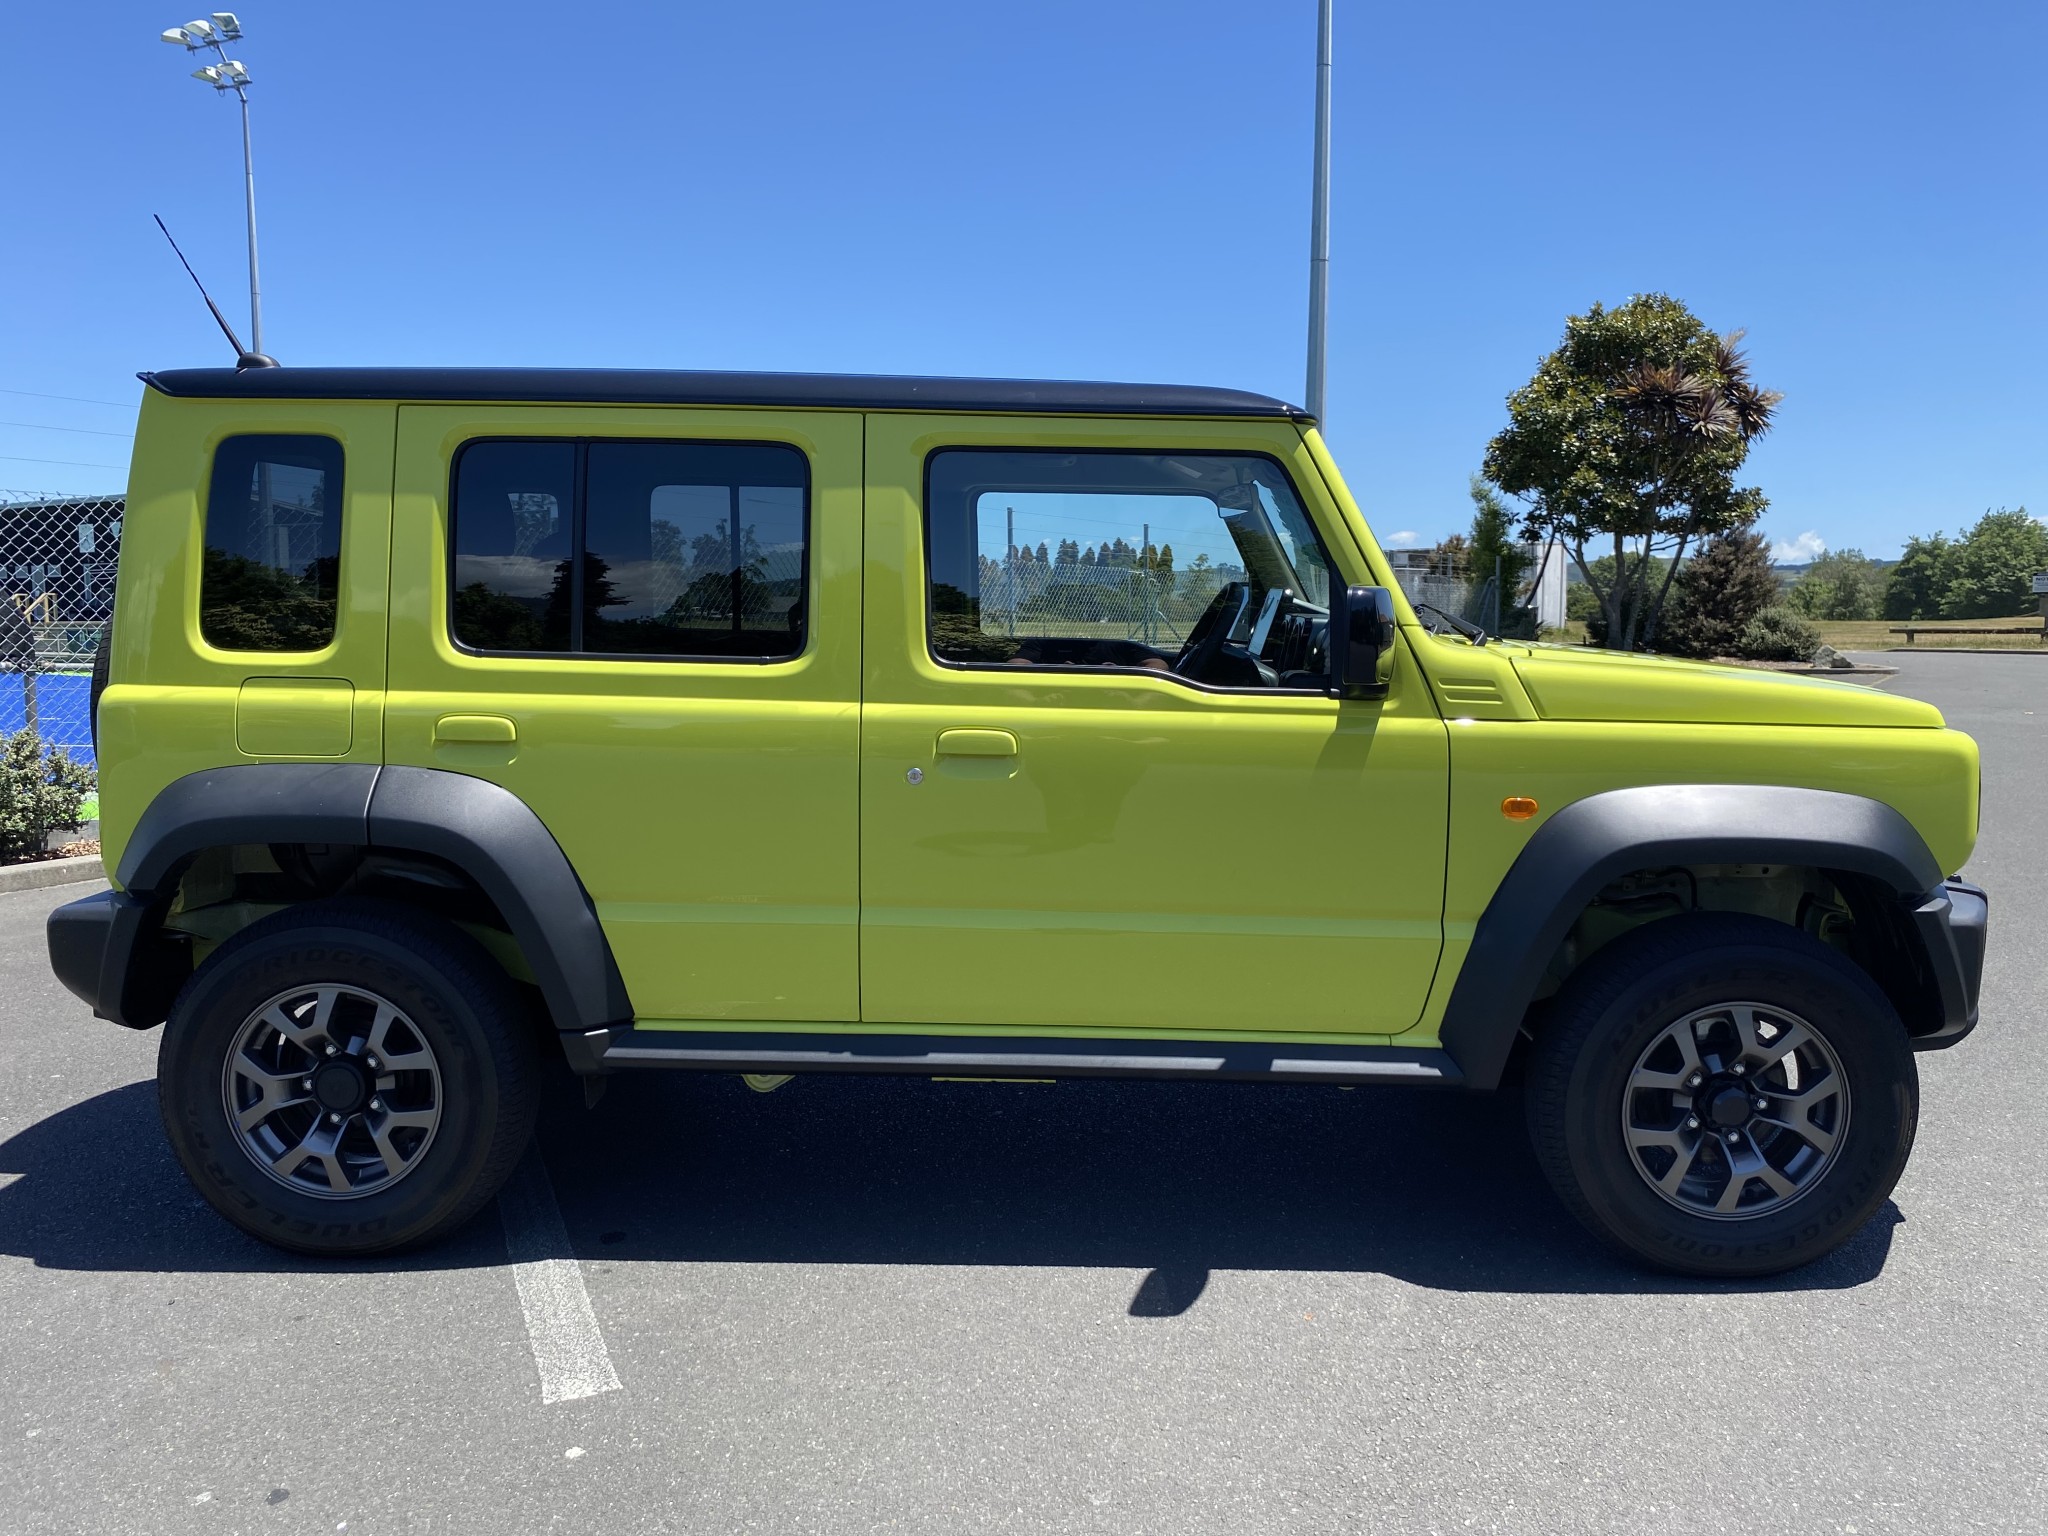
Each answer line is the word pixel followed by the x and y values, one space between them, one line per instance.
pixel 271 573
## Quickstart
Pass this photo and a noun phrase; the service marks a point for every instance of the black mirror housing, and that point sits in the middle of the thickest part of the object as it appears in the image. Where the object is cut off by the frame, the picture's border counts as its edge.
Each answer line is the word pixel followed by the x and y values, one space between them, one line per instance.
pixel 1361 642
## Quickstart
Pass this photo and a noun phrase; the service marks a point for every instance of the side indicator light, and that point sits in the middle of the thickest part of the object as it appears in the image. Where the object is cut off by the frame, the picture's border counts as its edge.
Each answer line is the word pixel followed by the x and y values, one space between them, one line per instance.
pixel 1518 807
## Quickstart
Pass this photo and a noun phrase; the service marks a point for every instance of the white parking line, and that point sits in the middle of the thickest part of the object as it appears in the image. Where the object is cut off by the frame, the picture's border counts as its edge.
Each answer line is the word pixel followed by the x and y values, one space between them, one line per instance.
pixel 560 1324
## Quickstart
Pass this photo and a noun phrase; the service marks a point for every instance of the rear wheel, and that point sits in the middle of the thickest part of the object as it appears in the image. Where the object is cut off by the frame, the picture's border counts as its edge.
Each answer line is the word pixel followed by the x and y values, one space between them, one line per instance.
pixel 1723 1096
pixel 347 1078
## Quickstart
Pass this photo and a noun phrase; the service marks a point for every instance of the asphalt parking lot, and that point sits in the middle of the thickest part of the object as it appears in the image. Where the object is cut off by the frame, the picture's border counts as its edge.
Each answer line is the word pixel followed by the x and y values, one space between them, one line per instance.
pixel 853 1306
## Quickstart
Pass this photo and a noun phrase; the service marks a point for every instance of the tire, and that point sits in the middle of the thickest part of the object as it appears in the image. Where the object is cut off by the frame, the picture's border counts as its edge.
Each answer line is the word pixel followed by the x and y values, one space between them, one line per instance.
pixel 427 1136
pixel 1614 1107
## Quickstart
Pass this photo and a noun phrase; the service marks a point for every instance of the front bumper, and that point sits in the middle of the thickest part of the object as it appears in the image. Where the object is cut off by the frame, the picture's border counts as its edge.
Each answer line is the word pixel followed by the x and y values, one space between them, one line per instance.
pixel 1952 921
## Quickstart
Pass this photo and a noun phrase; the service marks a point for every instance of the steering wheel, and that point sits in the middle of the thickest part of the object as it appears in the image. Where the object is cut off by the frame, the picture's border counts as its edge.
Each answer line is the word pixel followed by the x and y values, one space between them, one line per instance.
pixel 1205 641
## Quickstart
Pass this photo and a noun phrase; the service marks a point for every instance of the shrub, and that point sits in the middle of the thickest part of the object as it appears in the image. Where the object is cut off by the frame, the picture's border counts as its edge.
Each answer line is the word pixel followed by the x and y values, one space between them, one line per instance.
pixel 40 792
pixel 1777 634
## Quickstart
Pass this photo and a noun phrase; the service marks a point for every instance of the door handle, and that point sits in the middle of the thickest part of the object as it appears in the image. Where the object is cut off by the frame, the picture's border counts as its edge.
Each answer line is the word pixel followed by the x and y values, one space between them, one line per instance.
pixel 474 730
pixel 977 743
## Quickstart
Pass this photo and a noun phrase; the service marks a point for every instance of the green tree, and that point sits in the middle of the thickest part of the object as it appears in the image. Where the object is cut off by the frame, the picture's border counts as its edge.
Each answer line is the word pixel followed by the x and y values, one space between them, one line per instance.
pixel 1988 572
pixel 1495 551
pixel 1631 434
pixel 248 605
pixel 1722 588
pixel 1913 590
pixel 1841 584
pixel 1581 602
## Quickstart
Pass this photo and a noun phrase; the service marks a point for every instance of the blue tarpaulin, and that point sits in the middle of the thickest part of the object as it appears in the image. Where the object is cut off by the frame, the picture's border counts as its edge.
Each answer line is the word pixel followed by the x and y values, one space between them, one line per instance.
pixel 63 709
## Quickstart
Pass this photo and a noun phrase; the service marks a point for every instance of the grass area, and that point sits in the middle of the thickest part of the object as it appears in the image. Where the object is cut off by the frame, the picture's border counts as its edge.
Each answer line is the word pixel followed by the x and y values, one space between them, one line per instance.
pixel 89 808
pixel 1876 635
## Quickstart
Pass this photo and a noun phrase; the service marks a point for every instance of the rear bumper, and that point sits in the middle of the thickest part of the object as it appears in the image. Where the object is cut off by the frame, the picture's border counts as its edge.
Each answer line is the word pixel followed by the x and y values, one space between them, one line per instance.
pixel 1953 921
pixel 92 944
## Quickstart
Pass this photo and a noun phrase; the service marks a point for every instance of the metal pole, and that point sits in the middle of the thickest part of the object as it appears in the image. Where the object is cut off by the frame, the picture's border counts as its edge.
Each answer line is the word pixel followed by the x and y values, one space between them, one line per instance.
pixel 1145 583
pixel 249 179
pixel 1319 223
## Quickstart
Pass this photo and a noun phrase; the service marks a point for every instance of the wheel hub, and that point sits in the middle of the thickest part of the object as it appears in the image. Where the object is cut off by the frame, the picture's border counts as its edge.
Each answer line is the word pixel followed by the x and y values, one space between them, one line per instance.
pixel 1725 1103
pixel 341 1087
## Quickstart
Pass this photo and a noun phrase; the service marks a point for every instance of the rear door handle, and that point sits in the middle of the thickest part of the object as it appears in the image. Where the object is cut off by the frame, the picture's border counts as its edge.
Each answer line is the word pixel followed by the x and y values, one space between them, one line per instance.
pixel 474 730
pixel 977 743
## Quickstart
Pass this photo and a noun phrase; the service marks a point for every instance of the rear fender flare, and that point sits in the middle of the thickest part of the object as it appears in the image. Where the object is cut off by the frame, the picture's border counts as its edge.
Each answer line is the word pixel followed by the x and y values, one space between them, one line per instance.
pixel 478 827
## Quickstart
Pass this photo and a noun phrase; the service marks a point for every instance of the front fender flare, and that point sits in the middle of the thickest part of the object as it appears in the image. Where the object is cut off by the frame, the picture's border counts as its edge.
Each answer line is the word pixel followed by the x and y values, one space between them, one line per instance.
pixel 1594 841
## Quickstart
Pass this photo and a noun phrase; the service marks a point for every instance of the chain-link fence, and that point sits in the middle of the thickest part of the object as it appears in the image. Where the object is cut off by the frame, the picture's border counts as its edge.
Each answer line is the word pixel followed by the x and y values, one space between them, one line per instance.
pixel 1022 597
pixel 1448 582
pixel 57 560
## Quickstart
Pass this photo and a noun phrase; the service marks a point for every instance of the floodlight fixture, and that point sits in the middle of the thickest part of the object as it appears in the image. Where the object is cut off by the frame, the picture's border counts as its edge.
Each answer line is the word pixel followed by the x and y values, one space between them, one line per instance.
pixel 224 76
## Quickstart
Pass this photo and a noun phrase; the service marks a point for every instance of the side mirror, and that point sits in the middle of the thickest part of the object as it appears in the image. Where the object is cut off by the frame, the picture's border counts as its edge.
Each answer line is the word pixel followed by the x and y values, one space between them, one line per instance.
pixel 1361 642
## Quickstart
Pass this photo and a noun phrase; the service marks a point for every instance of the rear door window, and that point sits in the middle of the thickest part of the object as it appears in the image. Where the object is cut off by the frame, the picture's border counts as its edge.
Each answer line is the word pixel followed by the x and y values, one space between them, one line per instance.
pixel 682 551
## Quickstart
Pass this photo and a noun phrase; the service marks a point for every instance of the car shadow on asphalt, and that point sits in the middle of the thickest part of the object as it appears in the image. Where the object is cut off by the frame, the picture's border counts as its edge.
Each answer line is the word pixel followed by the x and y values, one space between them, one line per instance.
pixel 1179 1180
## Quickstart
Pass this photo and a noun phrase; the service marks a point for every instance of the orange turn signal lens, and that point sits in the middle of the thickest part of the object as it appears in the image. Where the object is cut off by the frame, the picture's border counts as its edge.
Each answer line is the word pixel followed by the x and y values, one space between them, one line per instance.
pixel 1518 807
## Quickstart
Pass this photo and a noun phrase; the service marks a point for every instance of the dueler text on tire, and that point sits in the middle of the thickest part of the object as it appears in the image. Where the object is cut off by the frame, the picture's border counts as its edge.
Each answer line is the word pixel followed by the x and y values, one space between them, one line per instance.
pixel 1723 1096
pixel 347 1078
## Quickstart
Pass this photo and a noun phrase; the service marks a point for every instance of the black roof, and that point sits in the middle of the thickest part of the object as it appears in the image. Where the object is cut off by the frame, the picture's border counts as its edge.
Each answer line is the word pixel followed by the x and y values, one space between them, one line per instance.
pixel 660 386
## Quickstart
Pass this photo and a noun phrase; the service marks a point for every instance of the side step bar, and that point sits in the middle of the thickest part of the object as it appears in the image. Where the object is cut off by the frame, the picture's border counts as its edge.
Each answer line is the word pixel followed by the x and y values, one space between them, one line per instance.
pixel 623 1048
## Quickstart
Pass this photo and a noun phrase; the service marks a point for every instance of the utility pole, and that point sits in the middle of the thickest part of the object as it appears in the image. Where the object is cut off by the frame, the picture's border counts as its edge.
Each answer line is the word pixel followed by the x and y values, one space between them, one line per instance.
pixel 1319 223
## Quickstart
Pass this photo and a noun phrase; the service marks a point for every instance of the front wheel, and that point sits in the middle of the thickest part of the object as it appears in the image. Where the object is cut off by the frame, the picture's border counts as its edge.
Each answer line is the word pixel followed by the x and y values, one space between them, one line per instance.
pixel 347 1078
pixel 1723 1096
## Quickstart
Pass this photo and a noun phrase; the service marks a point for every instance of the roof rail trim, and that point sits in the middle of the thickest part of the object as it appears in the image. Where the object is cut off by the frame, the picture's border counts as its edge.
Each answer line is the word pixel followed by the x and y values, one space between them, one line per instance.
pixel 654 386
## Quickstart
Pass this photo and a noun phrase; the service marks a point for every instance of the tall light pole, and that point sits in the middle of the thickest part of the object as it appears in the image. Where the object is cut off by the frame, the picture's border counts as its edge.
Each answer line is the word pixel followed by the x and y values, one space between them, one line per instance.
pixel 229 75
pixel 1319 224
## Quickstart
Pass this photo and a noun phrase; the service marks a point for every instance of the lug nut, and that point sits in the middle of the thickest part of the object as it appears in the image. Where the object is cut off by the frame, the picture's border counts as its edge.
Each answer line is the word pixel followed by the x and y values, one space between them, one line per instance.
pixel 1692 1122
pixel 372 1063
pixel 1738 1069
pixel 1693 1081
pixel 1762 1105
pixel 1732 1138
pixel 334 1119
pixel 377 1105
pixel 306 1083
pixel 331 1048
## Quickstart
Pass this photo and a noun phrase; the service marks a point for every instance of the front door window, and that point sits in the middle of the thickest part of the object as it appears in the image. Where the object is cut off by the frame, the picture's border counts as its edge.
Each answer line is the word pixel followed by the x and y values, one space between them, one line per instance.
pixel 1201 566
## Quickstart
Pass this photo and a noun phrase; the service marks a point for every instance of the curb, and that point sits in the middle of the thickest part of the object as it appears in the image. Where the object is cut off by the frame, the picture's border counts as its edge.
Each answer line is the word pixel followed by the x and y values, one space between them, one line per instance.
pixel 1965 650
pixel 32 877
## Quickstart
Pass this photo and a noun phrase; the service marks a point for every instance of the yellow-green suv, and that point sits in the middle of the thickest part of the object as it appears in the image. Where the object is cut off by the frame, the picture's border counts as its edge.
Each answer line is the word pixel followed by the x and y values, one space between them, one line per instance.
pixel 774 723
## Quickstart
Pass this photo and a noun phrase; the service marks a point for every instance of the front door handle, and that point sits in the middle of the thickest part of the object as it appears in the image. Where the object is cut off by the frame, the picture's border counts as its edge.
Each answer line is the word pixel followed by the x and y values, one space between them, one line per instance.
pixel 977 743
pixel 474 730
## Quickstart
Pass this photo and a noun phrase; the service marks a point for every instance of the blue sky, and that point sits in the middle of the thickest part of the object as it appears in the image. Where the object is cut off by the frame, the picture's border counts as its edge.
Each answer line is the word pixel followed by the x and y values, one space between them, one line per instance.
pixel 1116 189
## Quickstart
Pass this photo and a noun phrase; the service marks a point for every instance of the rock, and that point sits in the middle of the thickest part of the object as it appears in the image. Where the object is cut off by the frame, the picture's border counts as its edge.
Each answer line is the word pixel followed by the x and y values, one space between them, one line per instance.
pixel 1828 659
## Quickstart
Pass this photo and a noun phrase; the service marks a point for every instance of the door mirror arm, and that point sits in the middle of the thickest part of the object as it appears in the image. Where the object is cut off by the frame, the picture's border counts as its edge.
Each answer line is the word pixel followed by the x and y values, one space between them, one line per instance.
pixel 1361 642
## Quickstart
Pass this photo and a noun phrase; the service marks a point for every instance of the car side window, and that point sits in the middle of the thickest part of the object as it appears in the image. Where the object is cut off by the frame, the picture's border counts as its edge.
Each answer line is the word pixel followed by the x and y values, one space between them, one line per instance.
pixel 679 551
pixel 1204 566
pixel 270 578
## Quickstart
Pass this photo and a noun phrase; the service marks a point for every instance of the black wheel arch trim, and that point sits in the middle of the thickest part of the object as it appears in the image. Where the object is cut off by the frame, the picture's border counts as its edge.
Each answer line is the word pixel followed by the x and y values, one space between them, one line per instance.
pixel 1594 841
pixel 100 947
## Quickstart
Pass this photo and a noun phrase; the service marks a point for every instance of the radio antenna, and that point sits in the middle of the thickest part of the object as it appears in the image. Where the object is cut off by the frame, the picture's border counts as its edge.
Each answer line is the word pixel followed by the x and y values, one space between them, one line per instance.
pixel 243 358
